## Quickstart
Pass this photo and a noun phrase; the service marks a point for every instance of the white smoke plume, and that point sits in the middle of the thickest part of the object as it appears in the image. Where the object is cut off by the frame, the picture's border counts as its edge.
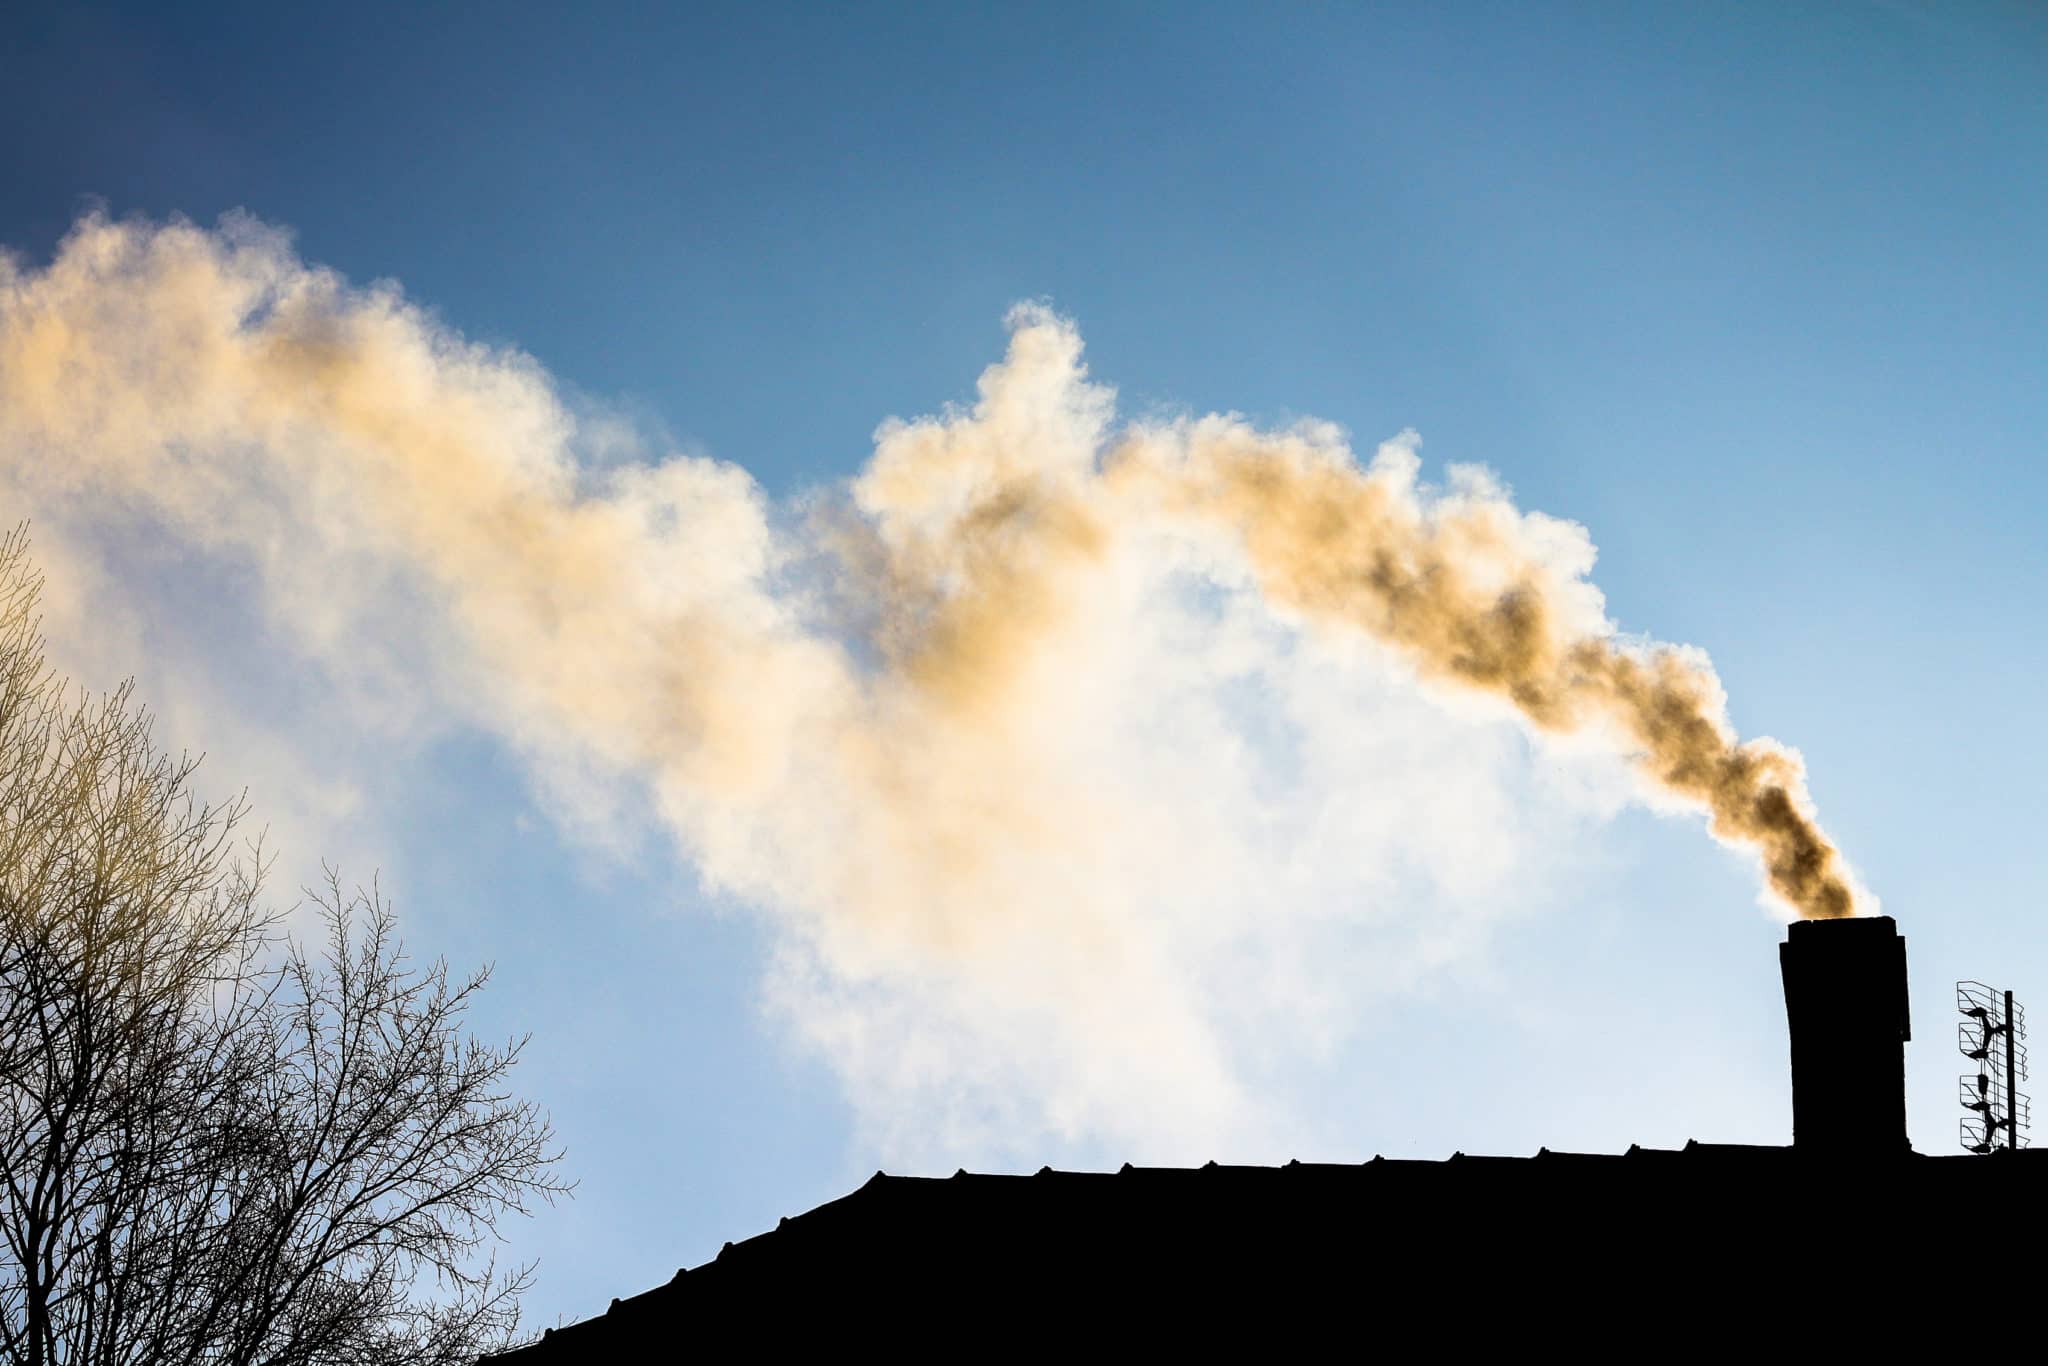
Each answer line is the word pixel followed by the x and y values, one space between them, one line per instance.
pixel 1028 740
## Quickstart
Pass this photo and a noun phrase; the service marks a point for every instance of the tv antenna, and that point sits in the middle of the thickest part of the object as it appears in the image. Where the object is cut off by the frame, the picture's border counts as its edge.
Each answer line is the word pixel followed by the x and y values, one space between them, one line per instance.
pixel 1990 1035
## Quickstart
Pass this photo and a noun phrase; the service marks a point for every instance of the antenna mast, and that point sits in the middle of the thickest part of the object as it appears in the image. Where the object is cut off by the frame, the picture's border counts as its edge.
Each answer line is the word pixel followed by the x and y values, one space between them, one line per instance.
pixel 1989 1036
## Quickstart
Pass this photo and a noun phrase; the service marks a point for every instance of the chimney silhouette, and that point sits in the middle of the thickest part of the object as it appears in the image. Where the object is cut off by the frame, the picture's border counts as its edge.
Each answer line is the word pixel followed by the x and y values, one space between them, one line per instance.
pixel 1845 1000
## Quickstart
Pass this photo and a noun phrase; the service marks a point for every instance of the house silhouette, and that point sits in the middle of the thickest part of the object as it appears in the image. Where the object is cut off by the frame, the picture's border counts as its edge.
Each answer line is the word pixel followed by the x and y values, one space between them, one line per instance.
pixel 1806 1243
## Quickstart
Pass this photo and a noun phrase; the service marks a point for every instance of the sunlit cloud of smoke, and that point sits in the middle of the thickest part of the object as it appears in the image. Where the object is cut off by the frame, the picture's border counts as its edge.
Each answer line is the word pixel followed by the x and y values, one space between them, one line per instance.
pixel 1081 766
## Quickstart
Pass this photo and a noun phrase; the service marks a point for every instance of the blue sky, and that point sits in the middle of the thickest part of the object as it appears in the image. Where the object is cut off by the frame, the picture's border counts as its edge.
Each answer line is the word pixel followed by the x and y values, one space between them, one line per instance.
pixel 1753 292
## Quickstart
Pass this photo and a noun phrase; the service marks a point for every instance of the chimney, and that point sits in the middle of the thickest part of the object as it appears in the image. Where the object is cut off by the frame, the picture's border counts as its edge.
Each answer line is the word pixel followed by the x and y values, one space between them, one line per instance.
pixel 1845 1000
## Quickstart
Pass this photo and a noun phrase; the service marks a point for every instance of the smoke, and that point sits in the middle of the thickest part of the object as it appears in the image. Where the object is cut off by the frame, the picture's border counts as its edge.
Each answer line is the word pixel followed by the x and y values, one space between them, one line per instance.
pixel 981 729
pixel 1480 596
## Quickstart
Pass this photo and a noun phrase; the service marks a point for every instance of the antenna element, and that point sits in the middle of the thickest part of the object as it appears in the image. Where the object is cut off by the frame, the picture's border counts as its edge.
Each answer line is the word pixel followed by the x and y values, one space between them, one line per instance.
pixel 1990 1035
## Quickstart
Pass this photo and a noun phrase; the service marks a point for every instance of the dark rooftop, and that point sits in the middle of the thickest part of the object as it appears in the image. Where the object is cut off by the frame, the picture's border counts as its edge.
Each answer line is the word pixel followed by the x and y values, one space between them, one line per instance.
pixel 1524 1225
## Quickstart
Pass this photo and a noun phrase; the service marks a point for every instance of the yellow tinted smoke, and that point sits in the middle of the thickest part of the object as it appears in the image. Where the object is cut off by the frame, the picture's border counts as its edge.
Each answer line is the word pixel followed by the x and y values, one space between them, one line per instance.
pixel 1474 594
pixel 887 759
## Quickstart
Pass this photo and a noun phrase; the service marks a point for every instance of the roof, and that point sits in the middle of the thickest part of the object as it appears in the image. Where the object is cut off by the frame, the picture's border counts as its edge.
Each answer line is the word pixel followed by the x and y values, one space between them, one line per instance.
pixel 1408 1229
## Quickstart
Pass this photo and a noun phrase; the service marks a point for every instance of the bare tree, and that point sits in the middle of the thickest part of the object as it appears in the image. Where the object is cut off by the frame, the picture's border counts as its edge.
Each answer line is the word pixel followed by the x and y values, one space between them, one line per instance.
pixel 219 1144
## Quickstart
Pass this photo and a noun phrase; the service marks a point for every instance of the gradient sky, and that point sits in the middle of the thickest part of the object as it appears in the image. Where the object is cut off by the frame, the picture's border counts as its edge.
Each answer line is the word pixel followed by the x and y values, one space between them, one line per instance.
pixel 1755 292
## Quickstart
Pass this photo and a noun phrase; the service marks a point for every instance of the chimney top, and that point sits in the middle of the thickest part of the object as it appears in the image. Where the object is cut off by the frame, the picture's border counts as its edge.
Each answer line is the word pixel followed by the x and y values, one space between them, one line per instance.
pixel 1869 926
pixel 1846 1007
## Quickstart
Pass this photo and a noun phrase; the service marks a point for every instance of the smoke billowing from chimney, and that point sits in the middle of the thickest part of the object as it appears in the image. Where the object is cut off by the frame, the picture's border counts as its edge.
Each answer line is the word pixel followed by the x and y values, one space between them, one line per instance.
pixel 889 712
pixel 1481 596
